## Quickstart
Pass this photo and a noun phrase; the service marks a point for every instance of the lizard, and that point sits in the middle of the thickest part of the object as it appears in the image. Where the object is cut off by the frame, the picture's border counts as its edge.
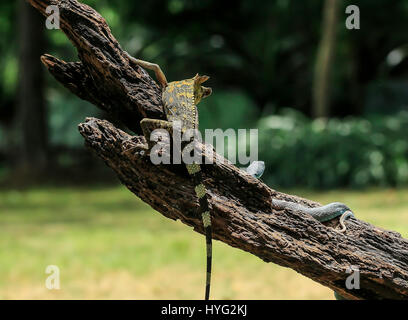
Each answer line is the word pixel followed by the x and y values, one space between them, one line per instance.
pixel 180 100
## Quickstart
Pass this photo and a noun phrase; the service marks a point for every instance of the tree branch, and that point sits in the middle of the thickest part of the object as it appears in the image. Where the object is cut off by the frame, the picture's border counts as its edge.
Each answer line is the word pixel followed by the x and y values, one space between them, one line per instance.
pixel 242 214
pixel 110 82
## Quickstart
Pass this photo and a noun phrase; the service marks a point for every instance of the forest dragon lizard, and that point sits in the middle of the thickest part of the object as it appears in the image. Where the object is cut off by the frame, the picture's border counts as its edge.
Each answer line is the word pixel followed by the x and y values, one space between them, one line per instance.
pixel 180 99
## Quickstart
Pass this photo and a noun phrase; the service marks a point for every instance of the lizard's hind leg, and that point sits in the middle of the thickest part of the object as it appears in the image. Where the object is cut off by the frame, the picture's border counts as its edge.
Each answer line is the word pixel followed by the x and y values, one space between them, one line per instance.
pixel 138 148
pixel 150 125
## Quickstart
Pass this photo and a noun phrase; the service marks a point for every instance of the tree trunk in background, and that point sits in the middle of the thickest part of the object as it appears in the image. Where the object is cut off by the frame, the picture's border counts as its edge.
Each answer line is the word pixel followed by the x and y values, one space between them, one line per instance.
pixel 31 121
pixel 325 55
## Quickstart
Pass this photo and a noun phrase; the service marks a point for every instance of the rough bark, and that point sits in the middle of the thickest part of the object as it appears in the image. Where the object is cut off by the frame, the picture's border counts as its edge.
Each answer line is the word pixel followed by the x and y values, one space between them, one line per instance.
pixel 242 214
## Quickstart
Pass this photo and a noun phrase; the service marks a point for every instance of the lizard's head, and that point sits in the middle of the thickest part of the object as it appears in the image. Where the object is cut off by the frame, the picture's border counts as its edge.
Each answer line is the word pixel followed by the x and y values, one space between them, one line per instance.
pixel 200 92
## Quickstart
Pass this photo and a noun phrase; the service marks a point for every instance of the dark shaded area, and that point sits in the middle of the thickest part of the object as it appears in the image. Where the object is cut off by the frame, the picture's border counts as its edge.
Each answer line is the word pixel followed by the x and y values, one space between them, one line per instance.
pixel 31 129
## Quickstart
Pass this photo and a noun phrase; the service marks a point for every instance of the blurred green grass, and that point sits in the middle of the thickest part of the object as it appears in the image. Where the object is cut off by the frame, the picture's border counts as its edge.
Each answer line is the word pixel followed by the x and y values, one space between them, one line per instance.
pixel 110 245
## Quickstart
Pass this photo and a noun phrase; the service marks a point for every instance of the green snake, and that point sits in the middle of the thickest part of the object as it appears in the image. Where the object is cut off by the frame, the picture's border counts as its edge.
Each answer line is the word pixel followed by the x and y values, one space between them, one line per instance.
pixel 322 214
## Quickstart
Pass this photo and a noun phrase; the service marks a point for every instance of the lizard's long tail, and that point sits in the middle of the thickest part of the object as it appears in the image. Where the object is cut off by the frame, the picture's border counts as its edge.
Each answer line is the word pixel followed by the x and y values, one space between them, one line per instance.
pixel 195 172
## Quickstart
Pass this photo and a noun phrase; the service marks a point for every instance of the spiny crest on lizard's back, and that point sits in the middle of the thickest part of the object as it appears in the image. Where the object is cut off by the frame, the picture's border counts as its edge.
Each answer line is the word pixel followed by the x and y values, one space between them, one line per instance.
pixel 179 104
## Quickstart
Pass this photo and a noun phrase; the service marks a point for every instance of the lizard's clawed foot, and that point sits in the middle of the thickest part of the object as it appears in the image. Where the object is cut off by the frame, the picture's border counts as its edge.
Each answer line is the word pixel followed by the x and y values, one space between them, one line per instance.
pixel 141 148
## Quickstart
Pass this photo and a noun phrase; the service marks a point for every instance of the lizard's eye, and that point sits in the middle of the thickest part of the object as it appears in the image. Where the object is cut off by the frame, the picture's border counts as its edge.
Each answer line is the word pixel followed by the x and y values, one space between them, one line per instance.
pixel 206 92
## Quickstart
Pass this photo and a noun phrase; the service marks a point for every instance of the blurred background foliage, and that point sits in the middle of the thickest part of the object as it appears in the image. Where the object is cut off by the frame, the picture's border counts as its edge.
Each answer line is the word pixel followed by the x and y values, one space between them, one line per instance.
pixel 354 152
pixel 262 56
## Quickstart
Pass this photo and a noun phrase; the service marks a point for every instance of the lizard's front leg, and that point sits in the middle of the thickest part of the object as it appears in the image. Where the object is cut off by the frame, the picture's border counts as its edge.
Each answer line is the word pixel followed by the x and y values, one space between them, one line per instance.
pixel 151 66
